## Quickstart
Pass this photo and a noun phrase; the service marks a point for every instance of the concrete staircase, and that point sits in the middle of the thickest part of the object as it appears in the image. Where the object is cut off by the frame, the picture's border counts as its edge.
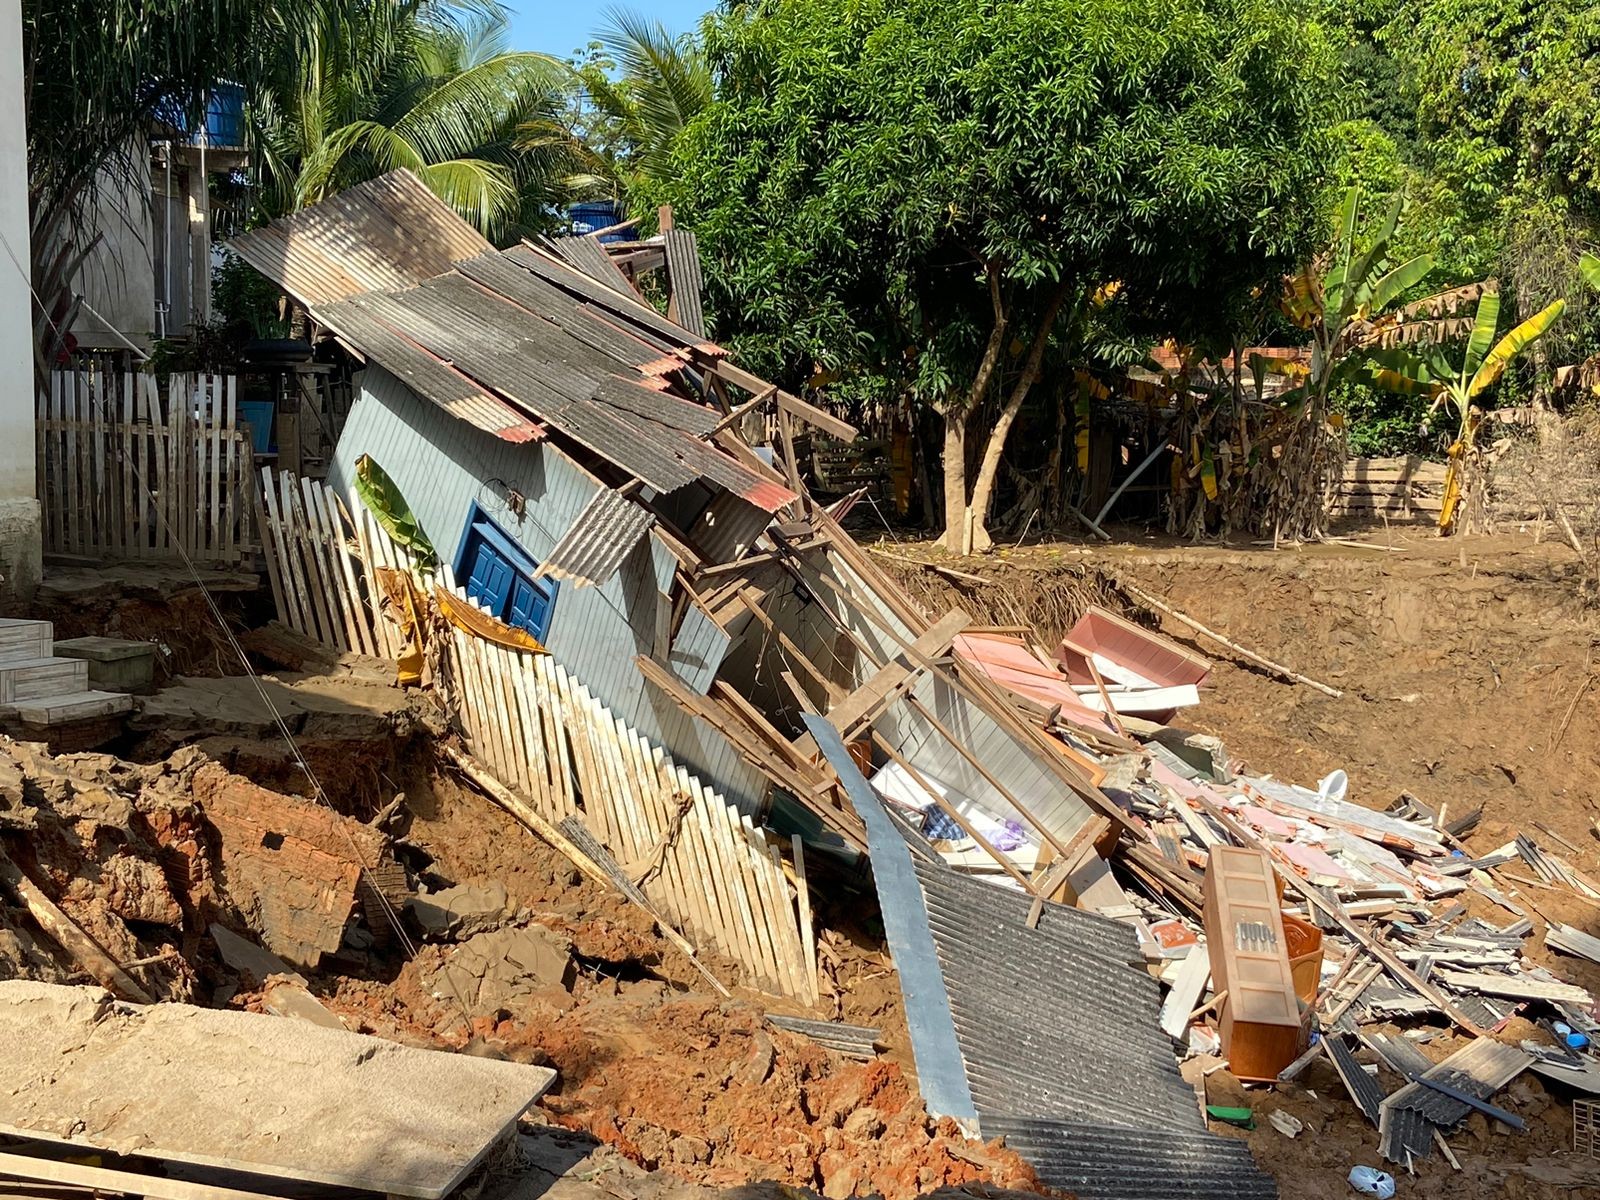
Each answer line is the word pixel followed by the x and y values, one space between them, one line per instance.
pixel 41 689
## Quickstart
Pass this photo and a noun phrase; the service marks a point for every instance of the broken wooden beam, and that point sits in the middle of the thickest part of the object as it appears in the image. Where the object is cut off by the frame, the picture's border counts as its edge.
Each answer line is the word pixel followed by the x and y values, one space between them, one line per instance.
pixel 79 946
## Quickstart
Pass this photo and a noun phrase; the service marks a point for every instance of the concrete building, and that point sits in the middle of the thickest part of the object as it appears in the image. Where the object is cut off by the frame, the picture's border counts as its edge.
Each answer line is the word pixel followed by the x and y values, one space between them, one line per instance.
pixel 150 276
pixel 20 548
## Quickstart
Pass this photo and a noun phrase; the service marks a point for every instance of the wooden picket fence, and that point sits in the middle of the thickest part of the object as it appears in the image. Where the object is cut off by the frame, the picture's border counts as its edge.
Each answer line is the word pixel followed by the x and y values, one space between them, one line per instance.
pixel 124 474
pixel 703 866
pixel 706 867
pixel 321 556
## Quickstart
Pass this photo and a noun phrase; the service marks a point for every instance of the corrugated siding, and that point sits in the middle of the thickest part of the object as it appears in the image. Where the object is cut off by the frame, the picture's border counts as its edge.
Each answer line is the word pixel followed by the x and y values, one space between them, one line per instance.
pixel 1012 761
pixel 698 650
pixel 1102 1162
pixel 1053 1021
pixel 442 465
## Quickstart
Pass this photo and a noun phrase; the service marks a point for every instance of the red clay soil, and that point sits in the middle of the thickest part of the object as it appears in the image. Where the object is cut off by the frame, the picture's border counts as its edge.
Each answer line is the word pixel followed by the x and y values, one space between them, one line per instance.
pixel 675 1078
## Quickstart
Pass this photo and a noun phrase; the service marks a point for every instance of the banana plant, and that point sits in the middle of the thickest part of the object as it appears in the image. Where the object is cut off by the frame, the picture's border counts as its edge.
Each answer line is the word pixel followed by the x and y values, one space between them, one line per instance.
pixel 1458 387
pixel 1347 299
pixel 1589 268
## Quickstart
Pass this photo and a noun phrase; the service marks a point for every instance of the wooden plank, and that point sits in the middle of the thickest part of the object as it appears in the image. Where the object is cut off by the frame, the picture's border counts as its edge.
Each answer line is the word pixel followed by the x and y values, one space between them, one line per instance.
pixel 237 456
pixel 1516 987
pixel 808 933
pixel 1194 975
pixel 107 1180
pixel 873 695
pixel 65 932
pixel 320 538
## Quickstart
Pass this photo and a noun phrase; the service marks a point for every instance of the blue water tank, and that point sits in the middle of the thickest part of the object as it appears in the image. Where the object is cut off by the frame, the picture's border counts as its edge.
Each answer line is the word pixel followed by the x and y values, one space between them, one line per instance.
pixel 224 124
pixel 593 215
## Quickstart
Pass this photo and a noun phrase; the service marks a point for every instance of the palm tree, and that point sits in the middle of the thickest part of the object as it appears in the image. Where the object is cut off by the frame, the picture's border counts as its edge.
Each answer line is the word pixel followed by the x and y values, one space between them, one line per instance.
pixel 425 85
pixel 98 76
pixel 662 83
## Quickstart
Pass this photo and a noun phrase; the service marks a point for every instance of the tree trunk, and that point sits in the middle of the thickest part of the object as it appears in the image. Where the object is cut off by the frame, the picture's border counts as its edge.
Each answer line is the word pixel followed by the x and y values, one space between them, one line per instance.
pixel 989 468
pixel 955 422
pixel 955 480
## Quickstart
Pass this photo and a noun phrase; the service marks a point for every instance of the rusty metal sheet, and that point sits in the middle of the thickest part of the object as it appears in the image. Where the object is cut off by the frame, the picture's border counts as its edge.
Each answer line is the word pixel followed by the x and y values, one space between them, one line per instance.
pixel 590 257
pixel 388 233
pixel 600 540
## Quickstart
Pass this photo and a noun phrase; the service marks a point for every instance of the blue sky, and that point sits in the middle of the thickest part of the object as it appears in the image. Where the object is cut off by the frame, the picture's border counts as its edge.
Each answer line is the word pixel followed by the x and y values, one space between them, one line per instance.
pixel 559 28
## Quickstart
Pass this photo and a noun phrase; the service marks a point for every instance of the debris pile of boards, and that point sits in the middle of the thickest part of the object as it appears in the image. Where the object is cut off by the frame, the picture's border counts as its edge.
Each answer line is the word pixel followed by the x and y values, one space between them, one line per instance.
pixel 1290 923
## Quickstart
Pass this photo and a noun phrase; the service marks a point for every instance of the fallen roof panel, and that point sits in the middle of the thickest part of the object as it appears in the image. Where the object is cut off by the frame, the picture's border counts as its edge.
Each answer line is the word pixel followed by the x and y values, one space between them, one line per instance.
pixel 589 256
pixel 248 1092
pixel 600 540
pixel 1103 1162
pixel 388 233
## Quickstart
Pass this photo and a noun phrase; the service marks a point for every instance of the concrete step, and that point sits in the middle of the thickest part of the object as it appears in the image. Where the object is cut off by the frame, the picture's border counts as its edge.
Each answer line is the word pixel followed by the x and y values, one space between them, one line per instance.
pixel 63 710
pixel 21 639
pixel 40 678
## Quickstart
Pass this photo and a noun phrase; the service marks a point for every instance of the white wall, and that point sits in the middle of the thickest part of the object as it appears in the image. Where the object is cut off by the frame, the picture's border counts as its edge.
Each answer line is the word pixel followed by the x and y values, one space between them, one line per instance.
pixel 117 279
pixel 19 506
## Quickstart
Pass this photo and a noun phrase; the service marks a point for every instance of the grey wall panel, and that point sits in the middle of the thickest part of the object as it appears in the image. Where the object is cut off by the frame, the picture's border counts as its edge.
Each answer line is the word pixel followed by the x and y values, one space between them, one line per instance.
pixel 443 465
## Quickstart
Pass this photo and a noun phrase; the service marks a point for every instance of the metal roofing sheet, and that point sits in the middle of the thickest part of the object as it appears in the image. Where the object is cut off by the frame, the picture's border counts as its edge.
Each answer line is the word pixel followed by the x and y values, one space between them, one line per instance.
pixel 1057 1041
pixel 430 376
pixel 589 256
pixel 558 273
pixel 388 233
pixel 1053 1021
pixel 600 540
pixel 1363 1088
pixel 1102 1162
pixel 683 272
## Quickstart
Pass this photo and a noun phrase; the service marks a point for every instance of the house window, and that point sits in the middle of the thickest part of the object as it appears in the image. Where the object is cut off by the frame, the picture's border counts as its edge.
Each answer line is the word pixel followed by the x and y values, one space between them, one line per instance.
pixel 499 575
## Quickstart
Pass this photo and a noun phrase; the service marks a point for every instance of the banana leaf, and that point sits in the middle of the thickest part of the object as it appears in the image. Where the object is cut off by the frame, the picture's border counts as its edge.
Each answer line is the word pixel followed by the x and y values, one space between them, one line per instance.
pixel 1589 268
pixel 1391 286
pixel 1358 280
pixel 1482 338
pixel 383 499
pixel 1513 344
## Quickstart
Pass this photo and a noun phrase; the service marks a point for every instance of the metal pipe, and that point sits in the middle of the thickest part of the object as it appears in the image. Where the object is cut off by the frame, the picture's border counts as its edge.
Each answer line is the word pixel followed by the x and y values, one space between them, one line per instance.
pixel 1123 486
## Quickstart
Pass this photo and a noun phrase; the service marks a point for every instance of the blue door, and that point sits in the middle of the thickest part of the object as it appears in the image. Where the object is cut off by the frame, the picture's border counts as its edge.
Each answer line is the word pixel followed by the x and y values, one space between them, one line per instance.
pixel 498 574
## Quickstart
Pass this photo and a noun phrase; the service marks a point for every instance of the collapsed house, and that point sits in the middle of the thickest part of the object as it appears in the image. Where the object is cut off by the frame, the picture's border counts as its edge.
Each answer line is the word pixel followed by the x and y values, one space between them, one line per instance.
pixel 586 530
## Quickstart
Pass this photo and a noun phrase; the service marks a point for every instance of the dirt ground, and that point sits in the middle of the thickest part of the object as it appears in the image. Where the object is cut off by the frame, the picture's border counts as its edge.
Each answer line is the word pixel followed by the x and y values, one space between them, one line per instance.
pixel 1471 676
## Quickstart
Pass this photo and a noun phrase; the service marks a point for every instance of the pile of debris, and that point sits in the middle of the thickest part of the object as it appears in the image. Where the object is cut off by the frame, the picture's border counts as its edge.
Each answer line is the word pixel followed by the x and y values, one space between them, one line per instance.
pixel 1289 924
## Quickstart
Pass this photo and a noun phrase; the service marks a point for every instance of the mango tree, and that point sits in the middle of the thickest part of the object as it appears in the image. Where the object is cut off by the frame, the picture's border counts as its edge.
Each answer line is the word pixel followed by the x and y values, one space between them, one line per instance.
pixel 928 194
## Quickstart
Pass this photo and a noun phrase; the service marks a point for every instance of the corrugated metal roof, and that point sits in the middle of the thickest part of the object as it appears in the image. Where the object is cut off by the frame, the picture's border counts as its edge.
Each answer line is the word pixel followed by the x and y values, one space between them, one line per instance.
pixel 429 375
pixel 1363 1088
pixel 1058 1044
pixel 683 273
pixel 1103 1162
pixel 503 341
pixel 1054 1021
pixel 590 257
pixel 388 233
pixel 600 540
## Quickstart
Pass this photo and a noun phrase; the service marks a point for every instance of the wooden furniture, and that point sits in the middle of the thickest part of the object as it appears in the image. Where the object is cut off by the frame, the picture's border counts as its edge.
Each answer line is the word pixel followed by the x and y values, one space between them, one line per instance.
pixel 1261 1024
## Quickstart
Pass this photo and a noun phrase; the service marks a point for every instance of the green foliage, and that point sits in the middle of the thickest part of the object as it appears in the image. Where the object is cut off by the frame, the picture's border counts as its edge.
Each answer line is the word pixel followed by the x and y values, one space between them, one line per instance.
pixel 646 86
pixel 242 296
pixel 1380 423
pixel 99 76
pixel 420 84
pixel 867 165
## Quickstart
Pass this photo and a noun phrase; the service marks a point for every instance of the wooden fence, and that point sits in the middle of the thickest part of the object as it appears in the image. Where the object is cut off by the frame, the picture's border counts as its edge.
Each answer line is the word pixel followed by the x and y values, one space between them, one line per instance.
pixel 1394 489
pixel 321 557
pixel 705 868
pixel 123 474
